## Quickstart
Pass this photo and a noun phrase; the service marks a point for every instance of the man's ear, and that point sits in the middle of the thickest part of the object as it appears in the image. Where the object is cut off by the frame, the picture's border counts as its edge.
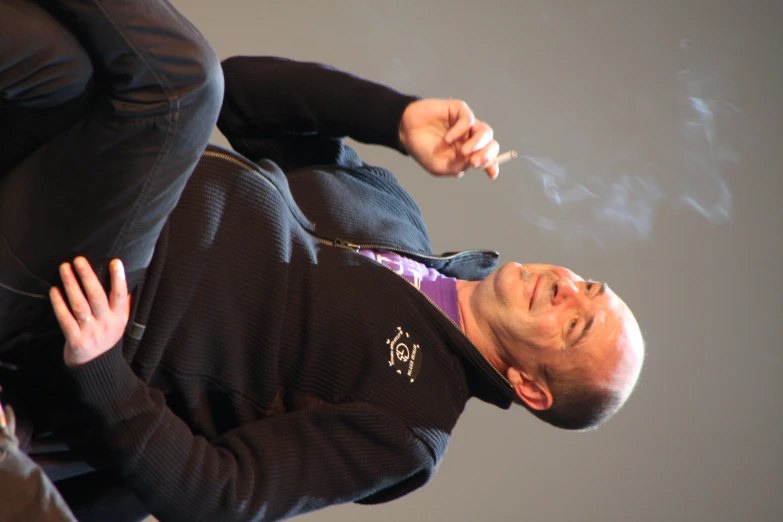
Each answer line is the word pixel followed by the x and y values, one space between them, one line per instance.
pixel 533 392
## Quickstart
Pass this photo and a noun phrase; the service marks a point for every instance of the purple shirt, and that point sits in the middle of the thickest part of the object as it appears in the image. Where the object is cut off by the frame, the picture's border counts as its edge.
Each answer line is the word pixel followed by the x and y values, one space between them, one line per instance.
pixel 440 289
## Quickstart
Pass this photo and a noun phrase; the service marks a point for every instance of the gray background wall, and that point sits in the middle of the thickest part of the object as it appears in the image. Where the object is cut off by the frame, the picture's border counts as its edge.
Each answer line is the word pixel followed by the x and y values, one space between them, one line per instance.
pixel 653 146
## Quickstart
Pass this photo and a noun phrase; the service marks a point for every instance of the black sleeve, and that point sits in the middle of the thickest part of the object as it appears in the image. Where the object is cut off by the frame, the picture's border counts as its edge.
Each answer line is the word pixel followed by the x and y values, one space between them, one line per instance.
pixel 267 470
pixel 296 113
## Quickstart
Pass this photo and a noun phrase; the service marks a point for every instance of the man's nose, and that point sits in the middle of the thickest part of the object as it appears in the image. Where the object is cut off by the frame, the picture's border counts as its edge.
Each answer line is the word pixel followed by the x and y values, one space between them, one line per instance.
pixel 566 291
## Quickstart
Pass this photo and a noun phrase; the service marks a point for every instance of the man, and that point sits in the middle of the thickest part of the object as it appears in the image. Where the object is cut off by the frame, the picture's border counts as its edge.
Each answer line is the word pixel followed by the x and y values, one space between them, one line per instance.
pixel 276 364
pixel 273 364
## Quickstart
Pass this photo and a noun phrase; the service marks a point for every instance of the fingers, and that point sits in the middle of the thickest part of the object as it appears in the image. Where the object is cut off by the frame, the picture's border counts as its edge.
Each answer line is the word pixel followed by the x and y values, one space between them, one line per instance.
pixel 461 120
pixel 76 298
pixel 483 158
pixel 68 323
pixel 118 300
pixel 493 171
pixel 96 295
pixel 95 303
pixel 481 135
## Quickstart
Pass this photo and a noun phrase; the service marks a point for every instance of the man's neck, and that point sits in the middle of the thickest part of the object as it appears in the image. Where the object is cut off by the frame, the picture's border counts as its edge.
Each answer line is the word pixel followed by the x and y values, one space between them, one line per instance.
pixel 475 328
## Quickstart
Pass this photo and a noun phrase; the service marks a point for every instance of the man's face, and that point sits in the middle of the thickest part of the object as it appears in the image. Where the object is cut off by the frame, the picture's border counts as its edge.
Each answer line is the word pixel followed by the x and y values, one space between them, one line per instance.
pixel 543 314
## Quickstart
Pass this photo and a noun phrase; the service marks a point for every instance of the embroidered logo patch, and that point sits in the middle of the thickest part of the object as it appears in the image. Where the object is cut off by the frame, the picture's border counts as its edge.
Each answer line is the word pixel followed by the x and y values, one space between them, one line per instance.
pixel 404 355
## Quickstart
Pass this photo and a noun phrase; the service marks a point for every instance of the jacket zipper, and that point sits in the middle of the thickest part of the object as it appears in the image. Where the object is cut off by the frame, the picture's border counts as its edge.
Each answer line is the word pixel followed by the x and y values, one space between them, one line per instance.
pixel 337 242
pixel 341 243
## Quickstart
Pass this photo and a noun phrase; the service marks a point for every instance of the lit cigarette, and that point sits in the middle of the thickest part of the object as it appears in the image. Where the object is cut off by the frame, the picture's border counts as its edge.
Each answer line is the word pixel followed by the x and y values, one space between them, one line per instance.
pixel 506 156
pixel 500 159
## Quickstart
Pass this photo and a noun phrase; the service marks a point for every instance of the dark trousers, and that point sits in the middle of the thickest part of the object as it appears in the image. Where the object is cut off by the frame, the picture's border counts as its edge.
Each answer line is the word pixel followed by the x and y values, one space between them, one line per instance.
pixel 105 109
pixel 103 123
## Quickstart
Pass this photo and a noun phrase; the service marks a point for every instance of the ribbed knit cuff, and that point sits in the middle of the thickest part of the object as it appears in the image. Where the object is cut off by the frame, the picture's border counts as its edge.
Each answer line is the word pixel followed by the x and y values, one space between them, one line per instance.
pixel 105 383
pixel 388 112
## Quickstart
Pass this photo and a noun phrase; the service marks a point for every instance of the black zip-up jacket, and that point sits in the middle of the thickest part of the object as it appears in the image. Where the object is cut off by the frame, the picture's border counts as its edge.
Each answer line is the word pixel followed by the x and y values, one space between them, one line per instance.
pixel 272 370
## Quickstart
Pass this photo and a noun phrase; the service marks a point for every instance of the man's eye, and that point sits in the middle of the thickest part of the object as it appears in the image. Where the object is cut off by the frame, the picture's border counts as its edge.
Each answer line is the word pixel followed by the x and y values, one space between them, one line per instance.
pixel 589 286
pixel 573 324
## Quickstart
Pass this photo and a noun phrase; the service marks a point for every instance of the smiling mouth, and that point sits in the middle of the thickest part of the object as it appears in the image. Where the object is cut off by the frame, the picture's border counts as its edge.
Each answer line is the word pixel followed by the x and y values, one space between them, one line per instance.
pixel 533 293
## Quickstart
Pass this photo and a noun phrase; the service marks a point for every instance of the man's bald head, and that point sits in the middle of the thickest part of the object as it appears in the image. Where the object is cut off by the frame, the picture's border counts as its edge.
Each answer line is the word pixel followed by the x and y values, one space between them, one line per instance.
pixel 571 348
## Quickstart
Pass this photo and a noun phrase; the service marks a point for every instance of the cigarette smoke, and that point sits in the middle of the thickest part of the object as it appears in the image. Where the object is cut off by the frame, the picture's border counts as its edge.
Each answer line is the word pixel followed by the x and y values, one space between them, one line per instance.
pixel 610 191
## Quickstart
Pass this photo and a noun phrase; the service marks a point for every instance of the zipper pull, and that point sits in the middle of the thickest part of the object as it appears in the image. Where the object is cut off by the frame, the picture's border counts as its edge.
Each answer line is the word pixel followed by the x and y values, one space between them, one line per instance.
pixel 341 243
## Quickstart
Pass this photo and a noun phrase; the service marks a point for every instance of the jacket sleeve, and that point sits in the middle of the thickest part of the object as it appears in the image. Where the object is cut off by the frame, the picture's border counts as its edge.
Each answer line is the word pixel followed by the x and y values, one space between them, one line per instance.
pixel 267 470
pixel 280 109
